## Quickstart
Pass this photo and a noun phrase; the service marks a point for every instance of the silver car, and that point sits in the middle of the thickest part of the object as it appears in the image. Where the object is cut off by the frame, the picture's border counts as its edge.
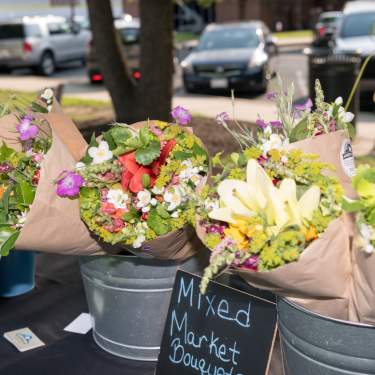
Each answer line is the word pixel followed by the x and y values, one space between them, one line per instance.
pixel 41 43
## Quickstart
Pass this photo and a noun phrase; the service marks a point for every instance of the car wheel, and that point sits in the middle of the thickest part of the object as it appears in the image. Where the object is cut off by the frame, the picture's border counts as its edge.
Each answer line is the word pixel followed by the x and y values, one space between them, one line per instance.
pixel 47 64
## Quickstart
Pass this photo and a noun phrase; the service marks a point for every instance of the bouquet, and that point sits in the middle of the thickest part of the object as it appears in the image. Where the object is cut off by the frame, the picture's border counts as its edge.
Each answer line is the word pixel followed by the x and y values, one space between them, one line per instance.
pixel 325 131
pixel 137 187
pixel 364 242
pixel 19 176
pixel 32 153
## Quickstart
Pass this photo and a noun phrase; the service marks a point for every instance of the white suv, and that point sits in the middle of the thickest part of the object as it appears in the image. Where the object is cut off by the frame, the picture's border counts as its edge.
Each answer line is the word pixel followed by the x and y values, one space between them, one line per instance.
pixel 357 34
pixel 41 43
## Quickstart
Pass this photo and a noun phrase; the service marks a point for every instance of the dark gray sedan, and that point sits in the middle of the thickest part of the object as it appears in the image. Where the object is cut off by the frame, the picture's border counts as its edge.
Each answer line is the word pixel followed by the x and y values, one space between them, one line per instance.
pixel 230 56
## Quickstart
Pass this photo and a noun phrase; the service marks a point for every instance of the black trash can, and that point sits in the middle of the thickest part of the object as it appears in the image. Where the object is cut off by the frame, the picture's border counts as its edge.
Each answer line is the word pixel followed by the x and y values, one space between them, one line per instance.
pixel 337 74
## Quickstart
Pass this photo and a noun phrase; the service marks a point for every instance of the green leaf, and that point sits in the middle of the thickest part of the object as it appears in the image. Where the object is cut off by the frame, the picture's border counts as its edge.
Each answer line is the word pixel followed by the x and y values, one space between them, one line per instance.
pixel 182 155
pixel 159 225
pixel 35 107
pixel 162 212
pixel 145 136
pixel 25 192
pixel 146 155
pixel 130 215
pixel 6 152
pixel 120 150
pixel 352 205
pixel 133 143
pixel 120 135
pixel 8 238
pixel 146 180
pixel 299 132
pixel 89 198
pixel 198 150
pixel 93 141
pixel 107 136
pixel 5 199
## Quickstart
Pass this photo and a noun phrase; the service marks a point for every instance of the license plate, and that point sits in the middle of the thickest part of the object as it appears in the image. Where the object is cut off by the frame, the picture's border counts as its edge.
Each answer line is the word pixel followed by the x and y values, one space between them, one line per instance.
pixel 4 53
pixel 219 83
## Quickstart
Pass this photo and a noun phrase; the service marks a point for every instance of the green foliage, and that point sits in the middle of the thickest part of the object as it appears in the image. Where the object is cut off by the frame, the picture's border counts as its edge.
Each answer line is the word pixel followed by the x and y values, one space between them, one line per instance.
pixel 145 155
pixel 157 224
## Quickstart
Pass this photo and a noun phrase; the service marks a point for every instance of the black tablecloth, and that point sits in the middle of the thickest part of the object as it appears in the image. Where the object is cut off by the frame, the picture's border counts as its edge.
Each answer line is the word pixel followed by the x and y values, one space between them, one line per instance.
pixel 56 301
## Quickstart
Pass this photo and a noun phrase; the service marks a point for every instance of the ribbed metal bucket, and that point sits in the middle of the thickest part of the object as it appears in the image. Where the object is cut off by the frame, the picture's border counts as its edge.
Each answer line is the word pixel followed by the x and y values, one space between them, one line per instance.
pixel 313 344
pixel 128 299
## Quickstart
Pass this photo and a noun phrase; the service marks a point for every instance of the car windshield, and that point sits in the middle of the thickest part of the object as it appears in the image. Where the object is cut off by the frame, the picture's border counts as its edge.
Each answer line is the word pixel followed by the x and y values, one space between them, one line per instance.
pixel 129 35
pixel 359 24
pixel 12 31
pixel 229 38
pixel 328 20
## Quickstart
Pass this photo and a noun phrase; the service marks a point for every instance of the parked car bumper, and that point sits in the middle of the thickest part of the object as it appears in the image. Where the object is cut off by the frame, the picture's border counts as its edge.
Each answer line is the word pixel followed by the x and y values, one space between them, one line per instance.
pixel 19 62
pixel 247 81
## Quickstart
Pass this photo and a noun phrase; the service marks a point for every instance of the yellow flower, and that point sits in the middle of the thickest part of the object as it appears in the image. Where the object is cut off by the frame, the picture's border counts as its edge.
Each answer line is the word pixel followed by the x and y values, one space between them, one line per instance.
pixel 244 227
pixel 237 236
pixel 310 234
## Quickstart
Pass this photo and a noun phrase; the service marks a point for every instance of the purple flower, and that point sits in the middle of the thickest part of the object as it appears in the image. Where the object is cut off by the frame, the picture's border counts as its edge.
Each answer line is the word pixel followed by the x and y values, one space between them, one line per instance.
pixel 26 129
pixel 271 95
pixel 261 123
pixel 304 106
pixel 181 115
pixel 276 124
pixel 5 168
pixel 222 118
pixel 251 263
pixel 69 185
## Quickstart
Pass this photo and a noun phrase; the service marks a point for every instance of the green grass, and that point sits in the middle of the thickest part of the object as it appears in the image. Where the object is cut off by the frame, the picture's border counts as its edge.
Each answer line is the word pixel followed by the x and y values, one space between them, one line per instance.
pixel 294 34
pixel 184 37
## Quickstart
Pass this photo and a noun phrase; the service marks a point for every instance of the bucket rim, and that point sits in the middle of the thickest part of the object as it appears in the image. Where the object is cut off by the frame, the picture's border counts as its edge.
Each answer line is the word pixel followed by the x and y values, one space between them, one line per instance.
pixel 323 317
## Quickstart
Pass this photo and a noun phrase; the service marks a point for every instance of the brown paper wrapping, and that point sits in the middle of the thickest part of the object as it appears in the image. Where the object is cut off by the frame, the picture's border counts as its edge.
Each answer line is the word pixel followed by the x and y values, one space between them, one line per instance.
pixel 331 149
pixel 319 280
pixel 53 224
pixel 363 285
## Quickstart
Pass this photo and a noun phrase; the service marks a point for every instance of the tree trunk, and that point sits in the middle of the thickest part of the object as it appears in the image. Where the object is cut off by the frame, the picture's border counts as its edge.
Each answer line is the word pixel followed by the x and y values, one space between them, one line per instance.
pixel 242 9
pixel 108 52
pixel 156 57
pixel 152 97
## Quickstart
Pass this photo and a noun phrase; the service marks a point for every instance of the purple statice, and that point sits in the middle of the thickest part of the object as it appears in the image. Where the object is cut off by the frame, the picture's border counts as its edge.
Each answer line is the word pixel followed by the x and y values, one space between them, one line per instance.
pixel 181 115
pixel 5 168
pixel 225 243
pixel 26 129
pixel 306 106
pixel 216 228
pixel 251 263
pixel 261 123
pixel 69 185
pixel 271 95
pixel 276 124
pixel 222 118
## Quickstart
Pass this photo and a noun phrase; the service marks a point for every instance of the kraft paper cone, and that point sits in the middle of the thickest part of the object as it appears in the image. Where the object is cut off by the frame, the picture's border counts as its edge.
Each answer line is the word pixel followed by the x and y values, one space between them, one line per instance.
pixel 334 148
pixel 364 285
pixel 53 224
pixel 320 279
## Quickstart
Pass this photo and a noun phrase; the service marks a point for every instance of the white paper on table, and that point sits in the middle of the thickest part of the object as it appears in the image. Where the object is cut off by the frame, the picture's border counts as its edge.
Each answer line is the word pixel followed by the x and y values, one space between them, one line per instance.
pixel 82 324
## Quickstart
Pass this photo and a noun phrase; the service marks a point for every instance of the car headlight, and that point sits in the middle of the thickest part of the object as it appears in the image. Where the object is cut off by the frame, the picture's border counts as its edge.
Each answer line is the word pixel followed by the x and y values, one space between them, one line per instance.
pixel 259 58
pixel 187 66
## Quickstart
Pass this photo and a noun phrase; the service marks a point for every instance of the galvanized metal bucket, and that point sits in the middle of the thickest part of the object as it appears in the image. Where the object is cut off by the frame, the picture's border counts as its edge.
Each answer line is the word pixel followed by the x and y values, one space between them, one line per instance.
pixel 128 299
pixel 313 344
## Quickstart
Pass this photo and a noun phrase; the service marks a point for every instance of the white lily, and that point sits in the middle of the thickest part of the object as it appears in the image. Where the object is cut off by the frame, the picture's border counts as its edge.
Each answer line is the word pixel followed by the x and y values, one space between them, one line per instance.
pixel 241 200
pixel 101 153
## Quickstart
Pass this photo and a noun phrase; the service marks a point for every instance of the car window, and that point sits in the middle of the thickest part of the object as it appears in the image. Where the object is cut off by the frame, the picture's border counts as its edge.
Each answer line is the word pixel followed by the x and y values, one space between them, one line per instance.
pixel 359 24
pixel 56 28
pixel 129 35
pixel 229 38
pixel 33 30
pixel 12 31
pixel 328 20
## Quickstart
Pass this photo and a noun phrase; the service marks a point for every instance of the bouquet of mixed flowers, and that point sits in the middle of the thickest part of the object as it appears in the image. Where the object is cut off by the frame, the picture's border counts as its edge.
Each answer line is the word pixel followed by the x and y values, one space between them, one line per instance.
pixel 32 216
pixel 137 184
pixel 324 131
pixel 364 242
pixel 19 176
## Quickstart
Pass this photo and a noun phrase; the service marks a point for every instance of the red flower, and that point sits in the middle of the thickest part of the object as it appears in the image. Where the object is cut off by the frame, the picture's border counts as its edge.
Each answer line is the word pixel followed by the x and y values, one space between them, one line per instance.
pixel 132 172
pixel 36 177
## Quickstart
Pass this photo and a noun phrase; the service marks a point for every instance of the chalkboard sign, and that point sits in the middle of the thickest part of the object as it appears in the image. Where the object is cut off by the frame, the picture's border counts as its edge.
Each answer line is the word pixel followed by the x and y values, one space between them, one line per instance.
pixel 224 332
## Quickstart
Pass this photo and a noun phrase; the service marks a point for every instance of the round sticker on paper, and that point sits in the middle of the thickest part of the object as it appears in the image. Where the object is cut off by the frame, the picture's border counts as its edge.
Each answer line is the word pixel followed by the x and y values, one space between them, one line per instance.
pixel 347 158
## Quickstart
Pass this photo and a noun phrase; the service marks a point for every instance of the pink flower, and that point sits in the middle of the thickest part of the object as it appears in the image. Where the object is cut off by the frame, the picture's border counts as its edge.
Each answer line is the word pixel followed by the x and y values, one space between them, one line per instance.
pixel 261 123
pixel 37 158
pixel 222 118
pixel 181 115
pixel 69 185
pixel 26 129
